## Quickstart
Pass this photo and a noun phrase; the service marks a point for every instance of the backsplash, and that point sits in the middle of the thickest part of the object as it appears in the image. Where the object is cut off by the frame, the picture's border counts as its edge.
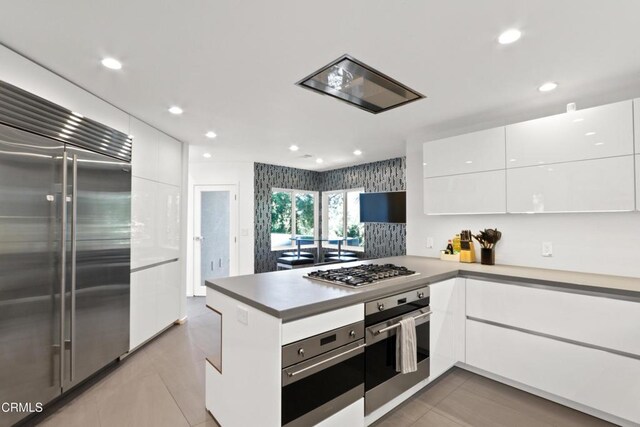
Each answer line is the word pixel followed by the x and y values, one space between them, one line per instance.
pixel 381 239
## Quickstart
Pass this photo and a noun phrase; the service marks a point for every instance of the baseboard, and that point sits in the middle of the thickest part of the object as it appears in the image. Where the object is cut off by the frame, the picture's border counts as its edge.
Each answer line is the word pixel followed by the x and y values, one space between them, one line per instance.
pixel 181 321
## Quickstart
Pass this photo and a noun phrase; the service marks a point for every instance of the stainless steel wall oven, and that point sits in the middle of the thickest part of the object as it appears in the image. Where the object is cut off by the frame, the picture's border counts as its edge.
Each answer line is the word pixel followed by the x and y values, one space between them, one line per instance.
pixel 322 375
pixel 382 382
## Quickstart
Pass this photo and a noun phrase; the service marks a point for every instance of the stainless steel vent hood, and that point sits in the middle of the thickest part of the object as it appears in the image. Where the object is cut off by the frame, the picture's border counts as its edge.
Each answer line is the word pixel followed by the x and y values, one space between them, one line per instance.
pixel 356 83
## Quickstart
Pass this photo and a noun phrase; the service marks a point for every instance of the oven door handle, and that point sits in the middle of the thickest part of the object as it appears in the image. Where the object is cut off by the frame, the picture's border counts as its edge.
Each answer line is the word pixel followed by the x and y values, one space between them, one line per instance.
pixel 397 325
pixel 292 374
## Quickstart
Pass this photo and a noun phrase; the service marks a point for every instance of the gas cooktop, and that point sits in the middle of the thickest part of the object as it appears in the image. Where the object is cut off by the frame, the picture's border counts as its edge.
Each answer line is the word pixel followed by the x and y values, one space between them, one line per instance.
pixel 361 275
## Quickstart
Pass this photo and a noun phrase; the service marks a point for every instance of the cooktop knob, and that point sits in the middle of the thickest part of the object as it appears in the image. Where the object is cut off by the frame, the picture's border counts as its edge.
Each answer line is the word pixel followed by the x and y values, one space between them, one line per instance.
pixel 352 333
pixel 301 352
pixel 380 306
pixel 420 294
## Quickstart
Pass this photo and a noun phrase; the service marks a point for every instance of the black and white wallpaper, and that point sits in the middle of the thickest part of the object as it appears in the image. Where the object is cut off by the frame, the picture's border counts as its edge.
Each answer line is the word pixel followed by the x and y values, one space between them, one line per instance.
pixel 381 239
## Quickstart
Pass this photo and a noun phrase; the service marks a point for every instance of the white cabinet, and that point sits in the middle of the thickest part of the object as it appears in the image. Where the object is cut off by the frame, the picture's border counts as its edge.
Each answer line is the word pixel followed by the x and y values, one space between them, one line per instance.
pixel 446 340
pixel 155 156
pixel 638 182
pixel 155 301
pixel 601 380
pixel 472 152
pixel 475 193
pixel 592 133
pixel 636 121
pixel 168 220
pixel 585 186
pixel 584 318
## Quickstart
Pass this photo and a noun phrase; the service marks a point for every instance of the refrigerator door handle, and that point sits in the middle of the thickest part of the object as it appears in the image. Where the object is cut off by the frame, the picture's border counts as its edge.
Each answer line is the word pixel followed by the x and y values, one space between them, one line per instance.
pixel 63 267
pixel 74 229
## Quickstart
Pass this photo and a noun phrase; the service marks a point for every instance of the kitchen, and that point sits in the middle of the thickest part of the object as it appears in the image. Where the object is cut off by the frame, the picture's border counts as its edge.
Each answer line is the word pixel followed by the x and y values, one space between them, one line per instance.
pixel 504 116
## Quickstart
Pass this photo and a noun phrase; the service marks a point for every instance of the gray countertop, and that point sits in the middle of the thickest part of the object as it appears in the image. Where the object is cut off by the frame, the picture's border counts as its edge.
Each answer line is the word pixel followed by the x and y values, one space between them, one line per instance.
pixel 289 296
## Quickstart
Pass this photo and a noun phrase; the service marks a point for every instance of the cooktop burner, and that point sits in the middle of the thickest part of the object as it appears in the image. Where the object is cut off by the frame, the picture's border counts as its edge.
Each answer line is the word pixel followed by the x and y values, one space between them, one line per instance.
pixel 360 275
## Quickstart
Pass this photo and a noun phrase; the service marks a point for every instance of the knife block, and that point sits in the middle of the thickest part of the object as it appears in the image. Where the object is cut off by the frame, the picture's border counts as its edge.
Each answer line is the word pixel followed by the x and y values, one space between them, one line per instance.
pixel 467 251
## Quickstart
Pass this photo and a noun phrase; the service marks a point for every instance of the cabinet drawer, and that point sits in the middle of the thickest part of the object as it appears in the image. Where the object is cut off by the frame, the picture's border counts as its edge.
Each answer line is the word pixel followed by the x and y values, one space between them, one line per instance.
pixel 598 321
pixel 474 193
pixel 598 379
pixel 592 133
pixel 472 152
pixel 602 185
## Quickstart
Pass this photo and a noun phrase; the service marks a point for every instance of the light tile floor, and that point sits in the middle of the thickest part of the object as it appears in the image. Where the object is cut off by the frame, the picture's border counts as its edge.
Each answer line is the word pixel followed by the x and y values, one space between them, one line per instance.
pixel 163 385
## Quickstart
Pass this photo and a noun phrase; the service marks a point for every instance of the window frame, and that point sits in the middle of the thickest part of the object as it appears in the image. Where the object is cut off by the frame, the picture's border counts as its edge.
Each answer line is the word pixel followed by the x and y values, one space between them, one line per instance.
pixel 316 217
pixel 325 218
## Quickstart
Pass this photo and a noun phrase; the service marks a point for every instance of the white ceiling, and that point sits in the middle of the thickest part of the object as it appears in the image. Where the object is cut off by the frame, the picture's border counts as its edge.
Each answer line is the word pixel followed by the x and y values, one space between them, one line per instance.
pixel 232 65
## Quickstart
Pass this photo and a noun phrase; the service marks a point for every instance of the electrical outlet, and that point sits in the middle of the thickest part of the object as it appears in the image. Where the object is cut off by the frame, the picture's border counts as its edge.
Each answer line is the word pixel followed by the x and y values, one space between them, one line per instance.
pixel 243 315
pixel 429 242
pixel 547 249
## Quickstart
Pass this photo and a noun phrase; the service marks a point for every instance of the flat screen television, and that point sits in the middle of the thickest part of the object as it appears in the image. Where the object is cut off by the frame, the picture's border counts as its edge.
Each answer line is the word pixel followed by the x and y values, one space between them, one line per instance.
pixel 383 207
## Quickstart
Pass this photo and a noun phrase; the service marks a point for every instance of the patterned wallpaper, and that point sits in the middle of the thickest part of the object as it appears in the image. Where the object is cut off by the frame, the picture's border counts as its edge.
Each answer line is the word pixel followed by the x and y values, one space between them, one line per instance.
pixel 381 239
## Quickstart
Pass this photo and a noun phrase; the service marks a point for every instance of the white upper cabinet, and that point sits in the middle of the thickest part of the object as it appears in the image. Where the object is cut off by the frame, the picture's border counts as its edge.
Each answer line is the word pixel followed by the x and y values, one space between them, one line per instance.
pixel 588 186
pixel 473 152
pixel 592 133
pixel 636 113
pixel 156 156
pixel 473 193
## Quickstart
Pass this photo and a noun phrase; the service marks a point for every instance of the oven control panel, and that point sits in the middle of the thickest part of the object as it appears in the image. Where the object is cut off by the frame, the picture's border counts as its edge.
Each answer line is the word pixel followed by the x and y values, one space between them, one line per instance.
pixel 393 301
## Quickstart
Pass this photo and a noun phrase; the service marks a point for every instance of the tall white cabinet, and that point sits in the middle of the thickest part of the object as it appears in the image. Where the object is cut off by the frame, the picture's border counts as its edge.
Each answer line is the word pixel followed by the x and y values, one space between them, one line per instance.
pixel 636 126
pixel 155 232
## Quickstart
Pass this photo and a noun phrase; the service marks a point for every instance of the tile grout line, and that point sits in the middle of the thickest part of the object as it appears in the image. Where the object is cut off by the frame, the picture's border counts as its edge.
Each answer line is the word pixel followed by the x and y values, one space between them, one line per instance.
pixel 175 401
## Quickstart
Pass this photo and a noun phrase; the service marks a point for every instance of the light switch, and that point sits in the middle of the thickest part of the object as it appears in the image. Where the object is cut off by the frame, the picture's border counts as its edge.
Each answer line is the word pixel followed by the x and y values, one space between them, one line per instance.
pixel 244 232
pixel 429 242
pixel 242 315
pixel 547 249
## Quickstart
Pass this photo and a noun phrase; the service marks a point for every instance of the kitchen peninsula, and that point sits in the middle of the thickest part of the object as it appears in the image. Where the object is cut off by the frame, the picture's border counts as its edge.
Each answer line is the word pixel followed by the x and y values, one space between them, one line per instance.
pixel 525 327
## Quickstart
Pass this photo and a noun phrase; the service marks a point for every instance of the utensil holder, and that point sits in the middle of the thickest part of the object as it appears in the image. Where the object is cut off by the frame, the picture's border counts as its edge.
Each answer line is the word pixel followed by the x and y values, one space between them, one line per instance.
pixel 487 256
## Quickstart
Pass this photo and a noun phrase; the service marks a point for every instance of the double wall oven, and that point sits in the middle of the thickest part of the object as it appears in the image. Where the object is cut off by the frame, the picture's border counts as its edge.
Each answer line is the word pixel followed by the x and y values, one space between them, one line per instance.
pixel 382 317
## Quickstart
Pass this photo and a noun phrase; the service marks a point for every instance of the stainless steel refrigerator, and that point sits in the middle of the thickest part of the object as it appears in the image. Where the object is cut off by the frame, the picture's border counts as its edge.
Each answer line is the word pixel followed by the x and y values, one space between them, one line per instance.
pixel 65 214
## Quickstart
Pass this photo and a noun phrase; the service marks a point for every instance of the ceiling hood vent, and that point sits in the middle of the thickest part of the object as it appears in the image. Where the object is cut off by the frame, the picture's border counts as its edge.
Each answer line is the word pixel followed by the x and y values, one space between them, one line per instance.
pixel 354 82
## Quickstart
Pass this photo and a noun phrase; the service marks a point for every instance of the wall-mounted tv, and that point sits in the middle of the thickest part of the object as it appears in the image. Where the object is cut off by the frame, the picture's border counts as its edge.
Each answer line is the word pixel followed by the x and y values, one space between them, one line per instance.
pixel 383 207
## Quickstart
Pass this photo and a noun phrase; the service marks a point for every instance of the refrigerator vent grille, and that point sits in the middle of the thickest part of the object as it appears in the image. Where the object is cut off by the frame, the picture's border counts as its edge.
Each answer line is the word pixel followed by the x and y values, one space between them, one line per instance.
pixel 26 111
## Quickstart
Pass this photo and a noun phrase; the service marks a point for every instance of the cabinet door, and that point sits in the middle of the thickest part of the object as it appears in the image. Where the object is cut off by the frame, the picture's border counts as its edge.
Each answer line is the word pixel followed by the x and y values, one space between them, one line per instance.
pixel 143 312
pixel 446 341
pixel 576 317
pixel 167 202
pixel 144 156
pixel 168 294
pixel 592 133
pixel 472 152
pixel 170 161
pixel 601 380
pixel 636 118
pixel 474 193
pixel 601 185
pixel 638 182
pixel 143 222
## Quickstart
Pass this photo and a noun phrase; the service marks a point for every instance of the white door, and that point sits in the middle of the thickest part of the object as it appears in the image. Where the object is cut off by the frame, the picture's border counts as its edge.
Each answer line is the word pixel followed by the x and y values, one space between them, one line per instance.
pixel 215 234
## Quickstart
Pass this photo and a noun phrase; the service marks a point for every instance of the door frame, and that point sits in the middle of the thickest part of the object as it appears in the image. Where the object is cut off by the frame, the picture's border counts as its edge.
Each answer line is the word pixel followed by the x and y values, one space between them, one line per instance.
pixel 233 231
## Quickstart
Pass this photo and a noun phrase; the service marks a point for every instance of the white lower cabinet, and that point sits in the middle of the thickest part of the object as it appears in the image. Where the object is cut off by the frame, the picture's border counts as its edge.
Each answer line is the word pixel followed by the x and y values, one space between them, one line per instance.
pixel 155 301
pixel 638 180
pixel 446 339
pixel 350 416
pixel 601 380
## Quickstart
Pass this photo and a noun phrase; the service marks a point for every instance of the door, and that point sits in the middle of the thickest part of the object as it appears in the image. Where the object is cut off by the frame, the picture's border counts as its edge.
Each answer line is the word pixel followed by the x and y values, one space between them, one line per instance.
pixel 30 273
pixel 98 260
pixel 215 234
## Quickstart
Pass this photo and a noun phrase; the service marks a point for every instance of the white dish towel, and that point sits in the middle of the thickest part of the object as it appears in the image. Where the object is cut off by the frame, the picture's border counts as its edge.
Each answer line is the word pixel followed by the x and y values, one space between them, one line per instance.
pixel 406 350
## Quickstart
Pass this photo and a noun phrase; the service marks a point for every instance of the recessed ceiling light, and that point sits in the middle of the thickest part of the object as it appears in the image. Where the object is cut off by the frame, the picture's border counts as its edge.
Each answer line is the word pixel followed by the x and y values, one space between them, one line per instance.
pixel 294 148
pixel 319 160
pixel 424 164
pixel 599 143
pixel 548 87
pixel 509 36
pixel 512 160
pixel 357 152
pixel 175 110
pixel 111 63
pixel 207 155
pixel 578 119
pixel 589 133
pixel 211 134
pixel 469 162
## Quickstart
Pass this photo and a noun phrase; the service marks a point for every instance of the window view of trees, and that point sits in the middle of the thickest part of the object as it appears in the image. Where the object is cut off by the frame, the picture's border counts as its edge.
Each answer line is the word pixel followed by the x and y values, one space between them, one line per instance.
pixel 292 215
pixel 342 216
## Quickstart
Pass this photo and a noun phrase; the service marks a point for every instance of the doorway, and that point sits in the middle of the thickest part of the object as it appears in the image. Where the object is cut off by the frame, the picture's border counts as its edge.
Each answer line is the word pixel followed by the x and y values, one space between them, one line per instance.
pixel 215 234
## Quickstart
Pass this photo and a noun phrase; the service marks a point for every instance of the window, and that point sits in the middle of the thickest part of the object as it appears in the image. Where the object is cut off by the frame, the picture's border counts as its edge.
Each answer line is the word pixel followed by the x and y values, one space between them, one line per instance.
pixel 293 215
pixel 341 219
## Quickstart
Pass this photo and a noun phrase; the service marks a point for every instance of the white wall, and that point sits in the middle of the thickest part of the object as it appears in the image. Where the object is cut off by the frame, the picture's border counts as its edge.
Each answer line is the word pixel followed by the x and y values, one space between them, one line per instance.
pixel 592 242
pixel 218 172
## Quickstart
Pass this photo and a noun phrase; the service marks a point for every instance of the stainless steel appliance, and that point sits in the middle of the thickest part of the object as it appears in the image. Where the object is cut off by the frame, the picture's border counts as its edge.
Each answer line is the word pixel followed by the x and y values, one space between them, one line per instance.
pixel 64 249
pixel 382 382
pixel 322 375
pixel 360 275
